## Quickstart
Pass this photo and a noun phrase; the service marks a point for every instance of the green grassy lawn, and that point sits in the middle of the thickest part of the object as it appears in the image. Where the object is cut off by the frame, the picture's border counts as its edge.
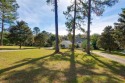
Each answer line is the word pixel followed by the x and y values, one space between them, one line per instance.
pixel 15 48
pixel 118 53
pixel 42 66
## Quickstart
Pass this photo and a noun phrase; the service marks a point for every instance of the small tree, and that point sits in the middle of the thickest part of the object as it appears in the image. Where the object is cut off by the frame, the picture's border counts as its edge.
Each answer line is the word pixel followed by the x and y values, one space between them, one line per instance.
pixel 51 39
pixel 106 40
pixel 94 39
pixel 40 40
pixel 19 33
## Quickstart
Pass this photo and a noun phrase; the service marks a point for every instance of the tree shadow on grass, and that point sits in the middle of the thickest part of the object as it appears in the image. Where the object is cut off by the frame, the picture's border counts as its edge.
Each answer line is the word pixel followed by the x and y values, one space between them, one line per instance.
pixel 38 73
pixel 86 71
pixel 113 66
pixel 72 74
pixel 22 64
pixel 41 71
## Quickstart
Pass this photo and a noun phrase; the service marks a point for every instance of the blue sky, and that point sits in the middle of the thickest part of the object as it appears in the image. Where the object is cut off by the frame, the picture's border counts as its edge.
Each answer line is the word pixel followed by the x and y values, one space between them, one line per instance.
pixel 38 14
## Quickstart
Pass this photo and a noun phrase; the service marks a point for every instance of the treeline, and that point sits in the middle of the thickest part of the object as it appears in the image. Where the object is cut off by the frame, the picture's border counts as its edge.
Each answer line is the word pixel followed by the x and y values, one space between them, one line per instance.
pixel 112 38
pixel 21 34
pixel 75 14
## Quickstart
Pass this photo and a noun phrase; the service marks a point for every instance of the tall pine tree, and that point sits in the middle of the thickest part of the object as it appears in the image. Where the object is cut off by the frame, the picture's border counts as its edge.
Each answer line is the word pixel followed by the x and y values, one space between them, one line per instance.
pixel 84 8
pixel 8 14
pixel 56 22
pixel 120 30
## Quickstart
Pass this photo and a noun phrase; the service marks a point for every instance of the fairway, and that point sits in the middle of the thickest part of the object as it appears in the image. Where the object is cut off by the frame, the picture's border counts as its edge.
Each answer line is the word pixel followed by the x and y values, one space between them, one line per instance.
pixel 42 66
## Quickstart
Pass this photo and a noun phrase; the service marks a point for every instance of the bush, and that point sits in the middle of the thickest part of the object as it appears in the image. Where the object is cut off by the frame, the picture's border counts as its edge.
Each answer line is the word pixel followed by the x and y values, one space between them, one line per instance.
pixel 84 46
pixel 62 46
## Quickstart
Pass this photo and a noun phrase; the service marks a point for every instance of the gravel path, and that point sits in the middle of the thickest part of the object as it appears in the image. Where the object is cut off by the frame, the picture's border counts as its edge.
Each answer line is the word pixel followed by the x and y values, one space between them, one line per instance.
pixel 111 56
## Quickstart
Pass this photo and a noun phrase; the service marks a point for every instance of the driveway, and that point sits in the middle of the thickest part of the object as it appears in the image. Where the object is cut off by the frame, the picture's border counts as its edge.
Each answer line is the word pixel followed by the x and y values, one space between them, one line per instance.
pixel 111 57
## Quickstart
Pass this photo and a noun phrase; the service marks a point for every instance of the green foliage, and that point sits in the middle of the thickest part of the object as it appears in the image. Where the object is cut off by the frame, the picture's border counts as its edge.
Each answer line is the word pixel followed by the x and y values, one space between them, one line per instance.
pixel 40 39
pixel 84 46
pixel 94 39
pixel 51 39
pixel 119 32
pixel 69 36
pixel 36 30
pixel 8 10
pixel 20 33
pixel 6 40
pixel 62 46
pixel 8 14
pixel 106 40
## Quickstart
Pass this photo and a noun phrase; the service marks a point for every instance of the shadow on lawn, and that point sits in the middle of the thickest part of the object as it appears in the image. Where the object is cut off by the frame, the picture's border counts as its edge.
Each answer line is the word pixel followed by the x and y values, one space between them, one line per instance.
pixel 71 75
pixel 40 71
pixel 22 64
pixel 113 66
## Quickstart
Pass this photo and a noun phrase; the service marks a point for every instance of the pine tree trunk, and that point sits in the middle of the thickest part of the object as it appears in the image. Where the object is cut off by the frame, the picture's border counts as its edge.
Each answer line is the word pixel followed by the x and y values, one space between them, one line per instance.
pixel 20 45
pixel 56 27
pixel 88 32
pixel 73 37
pixel 2 28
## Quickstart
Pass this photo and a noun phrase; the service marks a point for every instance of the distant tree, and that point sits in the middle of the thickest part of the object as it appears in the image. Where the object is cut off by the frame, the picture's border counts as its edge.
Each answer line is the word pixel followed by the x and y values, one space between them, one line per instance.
pixel 119 33
pixel 94 38
pixel 6 40
pixel 69 36
pixel 29 41
pixel 40 39
pixel 8 14
pixel 20 33
pixel 51 40
pixel 36 30
pixel 84 45
pixel 56 22
pixel 106 40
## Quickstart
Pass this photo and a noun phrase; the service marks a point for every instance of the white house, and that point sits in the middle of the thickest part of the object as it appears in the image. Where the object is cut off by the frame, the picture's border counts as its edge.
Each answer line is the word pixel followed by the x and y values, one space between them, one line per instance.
pixel 66 44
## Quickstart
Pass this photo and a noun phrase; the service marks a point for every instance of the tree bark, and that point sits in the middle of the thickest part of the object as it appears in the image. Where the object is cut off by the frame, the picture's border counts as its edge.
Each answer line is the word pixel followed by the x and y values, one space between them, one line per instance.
pixel 88 32
pixel 56 27
pixel 2 28
pixel 20 45
pixel 73 37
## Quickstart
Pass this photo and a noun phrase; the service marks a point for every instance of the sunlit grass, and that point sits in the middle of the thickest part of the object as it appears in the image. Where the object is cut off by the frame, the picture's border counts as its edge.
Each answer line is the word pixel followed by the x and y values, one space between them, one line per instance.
pixel 42 66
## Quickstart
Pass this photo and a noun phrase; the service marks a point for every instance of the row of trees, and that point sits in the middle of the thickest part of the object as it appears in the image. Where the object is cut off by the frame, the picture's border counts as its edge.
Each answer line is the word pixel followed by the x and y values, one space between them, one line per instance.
pixel 114 38
pixel 76 13
pixel 20 34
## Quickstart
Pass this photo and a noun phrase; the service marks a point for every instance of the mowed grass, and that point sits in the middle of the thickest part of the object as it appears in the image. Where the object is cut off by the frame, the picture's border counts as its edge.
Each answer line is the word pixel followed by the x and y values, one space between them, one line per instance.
pixel 42 66
pixel 16 47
